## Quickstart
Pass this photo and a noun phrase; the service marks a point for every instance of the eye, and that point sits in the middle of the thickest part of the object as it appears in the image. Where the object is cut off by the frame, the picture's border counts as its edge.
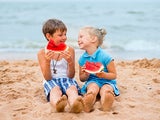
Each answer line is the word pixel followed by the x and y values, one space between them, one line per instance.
pixel 80 36
pixel 60 34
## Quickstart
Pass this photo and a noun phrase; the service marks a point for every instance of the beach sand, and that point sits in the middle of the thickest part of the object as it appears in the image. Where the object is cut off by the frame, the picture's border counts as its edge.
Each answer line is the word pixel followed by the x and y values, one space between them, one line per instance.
pixel 22 96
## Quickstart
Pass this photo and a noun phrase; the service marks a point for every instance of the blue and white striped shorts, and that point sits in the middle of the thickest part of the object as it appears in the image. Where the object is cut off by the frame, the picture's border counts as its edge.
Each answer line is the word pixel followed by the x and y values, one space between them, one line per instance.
pixel 63 83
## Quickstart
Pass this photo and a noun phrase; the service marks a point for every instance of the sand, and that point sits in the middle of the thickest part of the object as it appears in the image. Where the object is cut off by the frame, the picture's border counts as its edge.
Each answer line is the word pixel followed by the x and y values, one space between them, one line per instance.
pixel 22 96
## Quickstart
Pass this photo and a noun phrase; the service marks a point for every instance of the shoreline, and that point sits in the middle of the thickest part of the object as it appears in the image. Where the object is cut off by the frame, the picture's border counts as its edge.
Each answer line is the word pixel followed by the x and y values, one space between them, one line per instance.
pixel 117 55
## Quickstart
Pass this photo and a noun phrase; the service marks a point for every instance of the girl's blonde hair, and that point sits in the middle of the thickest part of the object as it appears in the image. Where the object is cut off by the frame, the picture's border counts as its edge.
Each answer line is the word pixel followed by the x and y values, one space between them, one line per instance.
pixel 99 33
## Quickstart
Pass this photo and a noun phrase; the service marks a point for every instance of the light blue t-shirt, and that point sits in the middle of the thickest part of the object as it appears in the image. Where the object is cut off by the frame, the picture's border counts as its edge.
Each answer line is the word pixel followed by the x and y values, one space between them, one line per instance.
pixel 98 56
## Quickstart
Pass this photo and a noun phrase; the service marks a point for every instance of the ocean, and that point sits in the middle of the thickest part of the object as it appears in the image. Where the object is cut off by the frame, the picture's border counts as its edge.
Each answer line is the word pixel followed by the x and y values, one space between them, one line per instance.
pixel 132 26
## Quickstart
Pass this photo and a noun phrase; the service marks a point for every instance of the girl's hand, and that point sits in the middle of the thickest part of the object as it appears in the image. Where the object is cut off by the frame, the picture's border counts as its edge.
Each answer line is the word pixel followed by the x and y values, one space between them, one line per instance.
pixel 100 74
pixel 84 71
pixel 83 74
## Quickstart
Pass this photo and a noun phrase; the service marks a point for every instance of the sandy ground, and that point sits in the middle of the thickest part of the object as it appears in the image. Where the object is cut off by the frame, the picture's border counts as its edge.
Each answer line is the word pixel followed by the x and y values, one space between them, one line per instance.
pixel 22 96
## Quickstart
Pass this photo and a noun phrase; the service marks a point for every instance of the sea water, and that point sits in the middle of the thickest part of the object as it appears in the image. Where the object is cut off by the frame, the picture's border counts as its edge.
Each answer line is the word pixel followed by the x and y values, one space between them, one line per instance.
pixel 132 26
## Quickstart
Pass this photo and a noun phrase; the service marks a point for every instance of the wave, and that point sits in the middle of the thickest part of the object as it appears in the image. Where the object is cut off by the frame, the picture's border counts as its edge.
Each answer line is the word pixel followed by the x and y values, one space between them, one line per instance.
pixel 125 45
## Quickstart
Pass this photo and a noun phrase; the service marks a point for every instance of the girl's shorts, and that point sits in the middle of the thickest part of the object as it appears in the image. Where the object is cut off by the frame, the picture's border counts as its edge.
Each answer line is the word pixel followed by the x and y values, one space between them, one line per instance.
pixel 100 83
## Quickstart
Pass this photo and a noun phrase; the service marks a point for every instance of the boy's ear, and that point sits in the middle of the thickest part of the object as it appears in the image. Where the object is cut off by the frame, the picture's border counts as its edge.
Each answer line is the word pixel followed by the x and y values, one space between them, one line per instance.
pixel 48 36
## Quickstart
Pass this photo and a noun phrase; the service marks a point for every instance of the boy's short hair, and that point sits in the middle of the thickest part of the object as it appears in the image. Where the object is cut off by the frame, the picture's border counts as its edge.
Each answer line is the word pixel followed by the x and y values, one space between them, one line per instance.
pixel 52 25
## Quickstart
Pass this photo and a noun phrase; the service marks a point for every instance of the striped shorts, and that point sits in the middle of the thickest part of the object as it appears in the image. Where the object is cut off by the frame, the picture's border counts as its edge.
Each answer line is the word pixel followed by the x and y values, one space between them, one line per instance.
pixel 63 83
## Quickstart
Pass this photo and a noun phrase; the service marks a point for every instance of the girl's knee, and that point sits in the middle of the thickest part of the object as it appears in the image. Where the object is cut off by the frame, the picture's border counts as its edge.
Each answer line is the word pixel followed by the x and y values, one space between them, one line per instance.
pixel 106 89
pixel 93 87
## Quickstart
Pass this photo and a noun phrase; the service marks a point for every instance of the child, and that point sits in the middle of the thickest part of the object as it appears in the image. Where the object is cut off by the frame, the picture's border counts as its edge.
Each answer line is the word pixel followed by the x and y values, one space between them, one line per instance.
pixel 103 83
pixel 60 84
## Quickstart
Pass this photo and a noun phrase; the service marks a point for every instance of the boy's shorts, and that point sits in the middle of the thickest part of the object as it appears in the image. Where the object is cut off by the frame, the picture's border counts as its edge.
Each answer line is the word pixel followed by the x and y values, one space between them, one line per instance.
pixel 63 83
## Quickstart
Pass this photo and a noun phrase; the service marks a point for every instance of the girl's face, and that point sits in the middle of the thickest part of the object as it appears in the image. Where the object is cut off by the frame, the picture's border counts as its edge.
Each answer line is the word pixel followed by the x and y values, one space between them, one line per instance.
pixel 59 37
pixel 84 40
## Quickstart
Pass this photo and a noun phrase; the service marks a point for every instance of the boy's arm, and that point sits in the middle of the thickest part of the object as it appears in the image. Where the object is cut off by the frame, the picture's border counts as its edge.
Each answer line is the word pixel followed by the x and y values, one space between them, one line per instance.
pixel 71 63
pixel 69 56
pixel 44 65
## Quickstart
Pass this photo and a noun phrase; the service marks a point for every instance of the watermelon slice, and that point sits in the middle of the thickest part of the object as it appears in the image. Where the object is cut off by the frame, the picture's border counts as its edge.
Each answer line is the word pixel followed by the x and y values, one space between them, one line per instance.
pixel 56 48
pixel 93 67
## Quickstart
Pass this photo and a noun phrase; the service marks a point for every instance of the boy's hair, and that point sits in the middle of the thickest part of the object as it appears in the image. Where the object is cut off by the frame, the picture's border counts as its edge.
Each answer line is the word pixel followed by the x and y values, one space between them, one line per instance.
pixel 52 25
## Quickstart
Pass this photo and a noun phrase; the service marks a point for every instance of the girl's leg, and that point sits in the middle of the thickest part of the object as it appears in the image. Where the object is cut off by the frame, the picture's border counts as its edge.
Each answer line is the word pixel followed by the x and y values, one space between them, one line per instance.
pixel 90 97
pixel 75 101
pixel 57 100
pixel 107 97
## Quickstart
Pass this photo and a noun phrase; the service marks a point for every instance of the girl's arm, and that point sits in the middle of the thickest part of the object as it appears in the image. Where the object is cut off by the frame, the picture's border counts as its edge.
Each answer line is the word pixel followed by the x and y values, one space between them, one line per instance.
pixel 44 62
pixel 82 74
pixel 111 74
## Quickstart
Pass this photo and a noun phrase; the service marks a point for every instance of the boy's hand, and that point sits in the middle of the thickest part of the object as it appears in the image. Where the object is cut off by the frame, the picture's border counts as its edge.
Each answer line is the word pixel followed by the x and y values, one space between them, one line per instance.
pixel 67 56
pixel 49 55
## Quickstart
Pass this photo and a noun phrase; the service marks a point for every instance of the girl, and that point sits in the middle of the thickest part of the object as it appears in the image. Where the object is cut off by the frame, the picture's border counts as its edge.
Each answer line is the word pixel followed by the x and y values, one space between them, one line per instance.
pixel 103 83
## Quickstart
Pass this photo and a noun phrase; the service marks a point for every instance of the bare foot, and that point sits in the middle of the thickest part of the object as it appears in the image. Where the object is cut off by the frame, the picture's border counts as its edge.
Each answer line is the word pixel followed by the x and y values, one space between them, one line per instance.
pixel 61 104
pixel 77 106
pixel 108 101
pixel 89 100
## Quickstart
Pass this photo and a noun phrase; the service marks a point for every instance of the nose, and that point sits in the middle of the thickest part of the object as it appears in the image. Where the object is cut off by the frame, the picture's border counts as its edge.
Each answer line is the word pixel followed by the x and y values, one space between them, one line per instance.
pixel 79 39
pixel 64 37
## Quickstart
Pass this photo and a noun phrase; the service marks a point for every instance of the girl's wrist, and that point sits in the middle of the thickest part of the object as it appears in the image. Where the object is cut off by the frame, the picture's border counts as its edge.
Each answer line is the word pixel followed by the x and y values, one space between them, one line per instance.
pixel 86 74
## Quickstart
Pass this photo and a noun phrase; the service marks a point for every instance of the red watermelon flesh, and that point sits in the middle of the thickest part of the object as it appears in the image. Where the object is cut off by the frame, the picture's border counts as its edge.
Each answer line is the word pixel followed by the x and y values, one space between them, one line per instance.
pixel 93 67
pixel 57 48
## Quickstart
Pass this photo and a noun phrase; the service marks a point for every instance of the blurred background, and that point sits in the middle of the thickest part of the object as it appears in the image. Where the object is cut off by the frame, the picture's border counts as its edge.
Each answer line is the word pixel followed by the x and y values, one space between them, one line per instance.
pixel 133 26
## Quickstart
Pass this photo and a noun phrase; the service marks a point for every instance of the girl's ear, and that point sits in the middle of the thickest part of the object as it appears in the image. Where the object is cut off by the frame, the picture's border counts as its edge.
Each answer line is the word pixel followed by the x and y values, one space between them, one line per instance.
pixel 94 39
pixel 48 36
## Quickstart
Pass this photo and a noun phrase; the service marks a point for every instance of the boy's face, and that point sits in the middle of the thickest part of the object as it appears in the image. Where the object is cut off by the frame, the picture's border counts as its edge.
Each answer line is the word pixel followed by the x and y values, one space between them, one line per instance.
pixel 84 39
pixel 59 37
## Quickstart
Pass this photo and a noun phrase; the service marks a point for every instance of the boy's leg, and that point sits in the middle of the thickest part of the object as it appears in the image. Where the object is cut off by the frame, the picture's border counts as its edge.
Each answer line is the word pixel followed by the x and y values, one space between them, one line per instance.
pixel 61 103
pixel 107 97
pixel 90 97
pixel 75 101
pixel 57 100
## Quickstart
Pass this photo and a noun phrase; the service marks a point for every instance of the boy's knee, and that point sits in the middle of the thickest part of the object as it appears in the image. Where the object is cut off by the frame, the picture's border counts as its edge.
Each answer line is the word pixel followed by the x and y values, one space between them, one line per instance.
pixel 72 88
